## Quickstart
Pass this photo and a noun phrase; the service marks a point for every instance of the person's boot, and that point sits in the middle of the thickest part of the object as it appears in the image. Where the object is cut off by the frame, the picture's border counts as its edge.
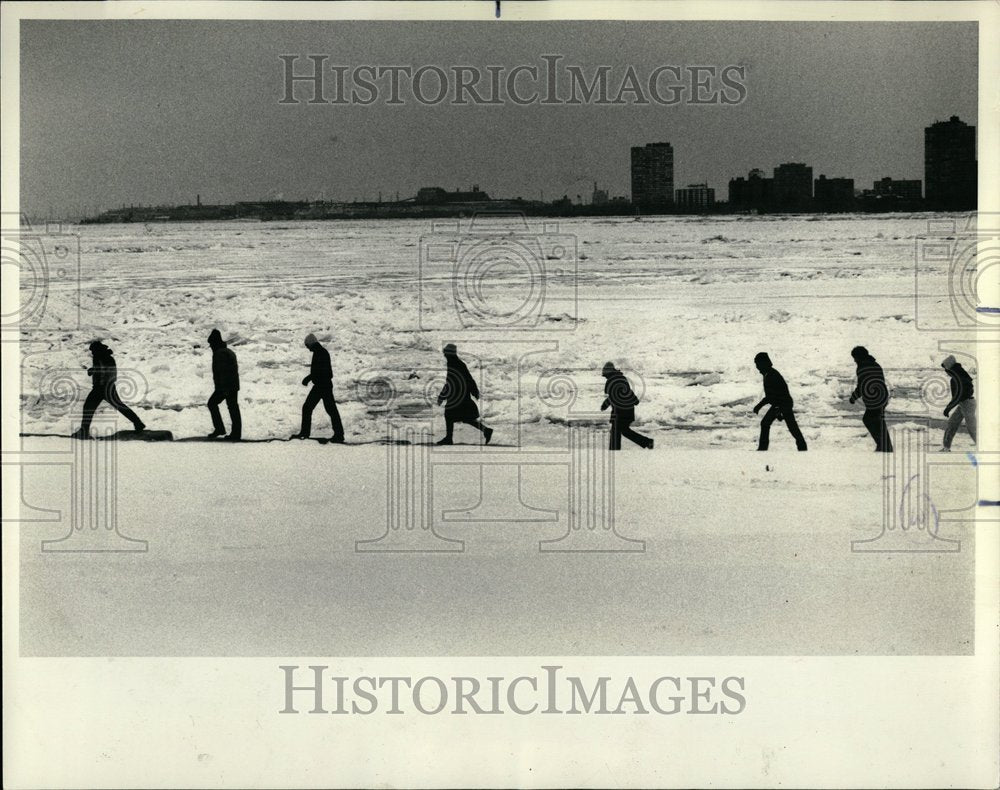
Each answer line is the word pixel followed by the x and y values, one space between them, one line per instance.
pixel 215 434
pixel 487 434
pixel 299 435
pixel 79 434
pixel 445 440
pixel 338 438
pixel 802 447
pixel 649 444
pixel 139 427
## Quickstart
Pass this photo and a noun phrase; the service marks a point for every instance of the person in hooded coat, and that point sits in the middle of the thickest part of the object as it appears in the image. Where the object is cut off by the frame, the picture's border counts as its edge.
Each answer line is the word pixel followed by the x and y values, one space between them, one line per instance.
pixel 622 402
pixel 457 395
pixel 226 379
pixel 776 394
pixel 962 401
pixel 321 378
pixel 874 393
pixel 104 377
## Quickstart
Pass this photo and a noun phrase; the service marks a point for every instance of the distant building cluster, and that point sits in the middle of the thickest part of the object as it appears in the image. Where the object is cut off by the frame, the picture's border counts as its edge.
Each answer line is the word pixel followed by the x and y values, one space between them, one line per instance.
pixel 950 184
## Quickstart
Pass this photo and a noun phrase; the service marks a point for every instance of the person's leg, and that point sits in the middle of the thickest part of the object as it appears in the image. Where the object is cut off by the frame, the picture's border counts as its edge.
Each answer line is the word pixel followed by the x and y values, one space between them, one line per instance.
pixel 307 409
pixel 233 404
pixel 951 428
pixel 635 436
pixel 115 400
pixel 968 408
pixel 793 428
pixel 616 436
pixel 765 428
pixel 93 400
pixel 330 404
pixel 871 420
pixel 449 429
pixel 886 444
pixel 218 428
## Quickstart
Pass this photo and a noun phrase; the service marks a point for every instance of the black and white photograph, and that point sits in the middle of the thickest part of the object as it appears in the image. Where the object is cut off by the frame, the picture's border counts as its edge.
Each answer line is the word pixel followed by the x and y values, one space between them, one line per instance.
pixel 399 394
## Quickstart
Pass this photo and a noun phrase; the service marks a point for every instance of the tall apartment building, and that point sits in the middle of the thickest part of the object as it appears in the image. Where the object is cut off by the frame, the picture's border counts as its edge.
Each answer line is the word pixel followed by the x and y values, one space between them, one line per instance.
pixel 950 167
pixel 653 175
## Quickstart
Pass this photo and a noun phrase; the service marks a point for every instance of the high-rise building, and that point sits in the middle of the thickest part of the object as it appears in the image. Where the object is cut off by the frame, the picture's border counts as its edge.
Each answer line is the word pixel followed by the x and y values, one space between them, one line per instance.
pixel 950 167
pixel 599 197
pixel 834 194
pixel 755 192
pixel 653 175
pixel 695 197
pixel 793 186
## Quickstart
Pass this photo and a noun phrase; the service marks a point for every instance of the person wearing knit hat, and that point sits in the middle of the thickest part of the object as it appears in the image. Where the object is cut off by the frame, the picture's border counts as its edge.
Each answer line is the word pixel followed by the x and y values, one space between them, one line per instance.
pixel 226 383
pixel 104 378
pixel 321 378
pixel 622 402
pixel 457 395
pixel 962 401
pixel 776 395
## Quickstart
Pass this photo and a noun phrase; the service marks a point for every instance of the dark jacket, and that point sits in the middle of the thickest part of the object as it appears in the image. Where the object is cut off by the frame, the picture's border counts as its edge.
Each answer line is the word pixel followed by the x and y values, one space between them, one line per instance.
pixel 871 388
pixel 459 386
pixel 619 393
pixel 104 371
pixel 776 391
pixel 961 385
pixel 320 369
pixel 225 368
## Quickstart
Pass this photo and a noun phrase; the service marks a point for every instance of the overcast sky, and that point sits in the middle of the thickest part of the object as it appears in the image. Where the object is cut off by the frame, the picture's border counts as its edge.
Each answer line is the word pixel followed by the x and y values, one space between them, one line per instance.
pixel 157 112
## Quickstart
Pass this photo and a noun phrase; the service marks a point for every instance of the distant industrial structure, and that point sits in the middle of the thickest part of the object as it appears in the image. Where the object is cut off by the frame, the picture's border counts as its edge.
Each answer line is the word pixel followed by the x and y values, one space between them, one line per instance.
pixel 950 165
pixel 652 174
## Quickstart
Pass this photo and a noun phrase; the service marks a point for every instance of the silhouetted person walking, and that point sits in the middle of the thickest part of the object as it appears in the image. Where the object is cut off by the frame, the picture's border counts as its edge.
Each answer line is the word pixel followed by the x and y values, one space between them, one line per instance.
pixel 622 401
pixel 226 379
pixel 104 375
pixel 874 393
pixel 457 395
pixel 776 394
pixel 321 377
pixel 962 401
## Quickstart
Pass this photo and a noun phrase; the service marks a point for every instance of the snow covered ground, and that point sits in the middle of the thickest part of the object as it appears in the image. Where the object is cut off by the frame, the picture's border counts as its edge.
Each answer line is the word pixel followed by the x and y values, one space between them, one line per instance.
pixel 251 552
pixel 251 547
pixel 681 304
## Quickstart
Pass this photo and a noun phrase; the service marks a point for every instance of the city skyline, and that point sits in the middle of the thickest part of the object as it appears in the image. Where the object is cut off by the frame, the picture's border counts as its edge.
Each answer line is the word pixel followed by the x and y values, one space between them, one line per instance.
pixel 157 112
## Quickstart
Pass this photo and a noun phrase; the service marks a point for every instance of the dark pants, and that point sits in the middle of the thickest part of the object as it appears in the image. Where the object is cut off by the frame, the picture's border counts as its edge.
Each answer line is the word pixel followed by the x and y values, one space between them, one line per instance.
pixel 874 421
pixel 230 397
pixel 325 394
pixel 110 394
pixel 793 427
pixel 450 420
pixel 620 423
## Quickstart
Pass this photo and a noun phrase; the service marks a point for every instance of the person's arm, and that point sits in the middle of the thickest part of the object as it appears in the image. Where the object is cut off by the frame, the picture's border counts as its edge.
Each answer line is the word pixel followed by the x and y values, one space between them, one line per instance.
pixel 857 390
pixel 763 402
pixel 956 393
